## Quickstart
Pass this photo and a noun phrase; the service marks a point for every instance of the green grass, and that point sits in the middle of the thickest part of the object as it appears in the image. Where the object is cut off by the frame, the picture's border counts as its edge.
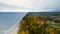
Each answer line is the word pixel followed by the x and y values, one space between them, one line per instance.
pixel 57 25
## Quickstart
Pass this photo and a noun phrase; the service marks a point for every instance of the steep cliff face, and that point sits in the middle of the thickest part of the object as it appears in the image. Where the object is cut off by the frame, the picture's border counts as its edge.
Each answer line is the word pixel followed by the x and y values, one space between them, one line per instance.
pixel 40 23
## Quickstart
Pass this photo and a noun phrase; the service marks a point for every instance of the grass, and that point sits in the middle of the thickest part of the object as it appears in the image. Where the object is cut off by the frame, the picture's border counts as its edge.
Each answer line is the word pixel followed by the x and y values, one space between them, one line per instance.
pixel 57 25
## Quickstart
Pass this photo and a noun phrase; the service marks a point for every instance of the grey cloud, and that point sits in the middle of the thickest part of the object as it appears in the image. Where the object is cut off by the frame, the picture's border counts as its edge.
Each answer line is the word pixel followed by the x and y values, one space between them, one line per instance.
pixel 46 4
pixel 4 6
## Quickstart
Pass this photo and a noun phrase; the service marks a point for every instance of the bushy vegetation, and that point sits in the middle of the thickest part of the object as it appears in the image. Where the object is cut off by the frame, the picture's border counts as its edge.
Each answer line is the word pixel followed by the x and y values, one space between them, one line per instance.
pixel 32 24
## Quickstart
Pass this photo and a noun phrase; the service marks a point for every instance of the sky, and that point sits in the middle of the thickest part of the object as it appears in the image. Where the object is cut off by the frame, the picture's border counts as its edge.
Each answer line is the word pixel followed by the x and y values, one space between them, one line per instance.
pixel 29 4
pixel 9 19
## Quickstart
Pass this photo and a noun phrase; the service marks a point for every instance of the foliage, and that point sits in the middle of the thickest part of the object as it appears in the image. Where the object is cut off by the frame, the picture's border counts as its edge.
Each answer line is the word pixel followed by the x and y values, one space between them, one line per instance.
pixel 32 25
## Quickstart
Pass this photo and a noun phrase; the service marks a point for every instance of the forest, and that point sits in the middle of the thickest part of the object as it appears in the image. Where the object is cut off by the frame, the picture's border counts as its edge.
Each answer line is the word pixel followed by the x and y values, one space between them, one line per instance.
pixel 40 23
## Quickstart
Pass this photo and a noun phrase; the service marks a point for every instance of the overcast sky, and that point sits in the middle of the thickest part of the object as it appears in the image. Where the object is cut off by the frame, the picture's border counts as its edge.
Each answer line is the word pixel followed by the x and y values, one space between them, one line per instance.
pixel 30 4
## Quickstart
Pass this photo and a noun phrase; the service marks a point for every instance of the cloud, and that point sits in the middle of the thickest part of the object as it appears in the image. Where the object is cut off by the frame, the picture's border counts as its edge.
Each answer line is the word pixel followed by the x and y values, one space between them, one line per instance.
pixel 4 6
pixel 19 3
pixel 30 4
pixel 46 4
